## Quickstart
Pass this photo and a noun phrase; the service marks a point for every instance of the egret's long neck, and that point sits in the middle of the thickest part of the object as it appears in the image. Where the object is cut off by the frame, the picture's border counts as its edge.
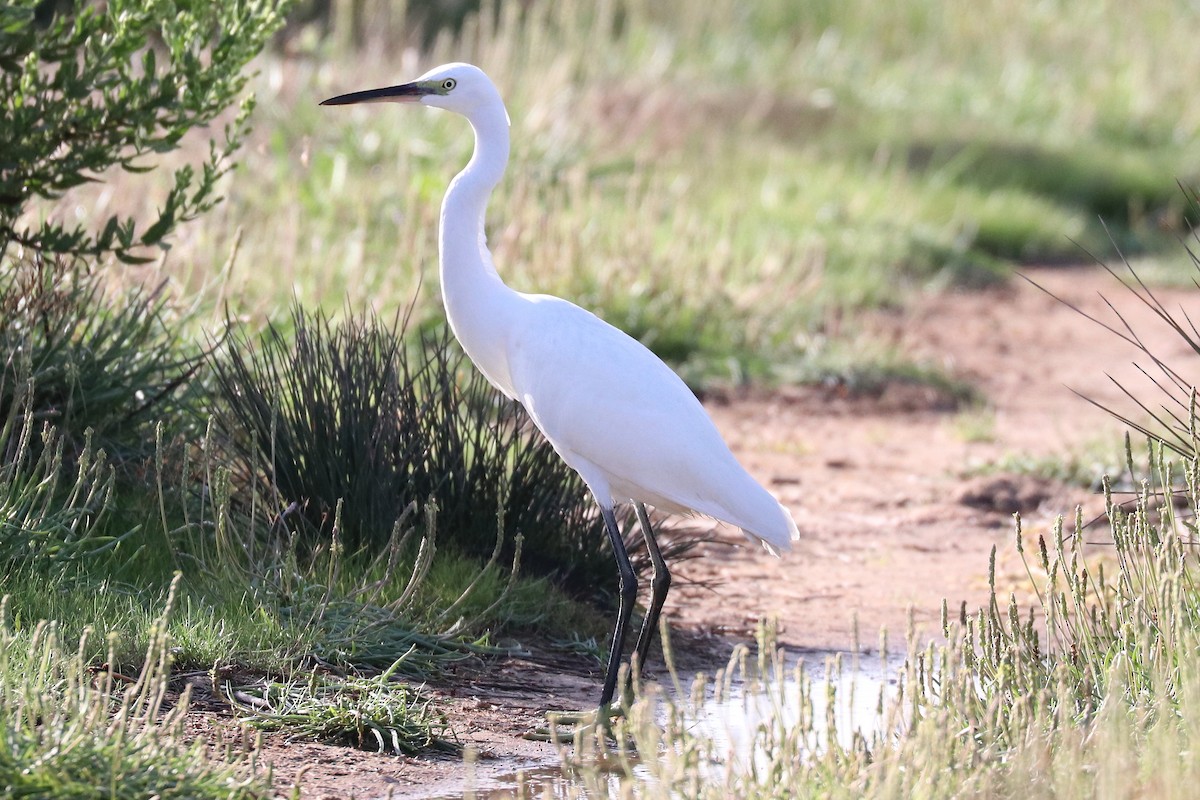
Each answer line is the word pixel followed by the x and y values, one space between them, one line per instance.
pixel 478 304
pixel 465 259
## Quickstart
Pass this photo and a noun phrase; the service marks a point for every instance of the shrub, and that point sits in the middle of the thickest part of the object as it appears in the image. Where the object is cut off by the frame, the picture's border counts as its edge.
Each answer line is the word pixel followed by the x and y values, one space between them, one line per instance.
pixel 87 87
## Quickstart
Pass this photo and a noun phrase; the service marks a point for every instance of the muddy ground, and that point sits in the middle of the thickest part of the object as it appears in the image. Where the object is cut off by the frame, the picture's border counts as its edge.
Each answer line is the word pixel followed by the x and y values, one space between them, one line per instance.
pixel 885 490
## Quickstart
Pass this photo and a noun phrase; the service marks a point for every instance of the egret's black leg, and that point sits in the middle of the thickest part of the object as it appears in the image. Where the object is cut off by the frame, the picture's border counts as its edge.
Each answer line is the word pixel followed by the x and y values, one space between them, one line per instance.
pixel 628 587
pixel 660 584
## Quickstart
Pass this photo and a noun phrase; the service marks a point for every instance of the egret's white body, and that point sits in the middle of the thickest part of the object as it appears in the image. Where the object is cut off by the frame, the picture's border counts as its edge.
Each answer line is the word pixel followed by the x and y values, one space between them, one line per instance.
pixel 629 426
pixel 614 412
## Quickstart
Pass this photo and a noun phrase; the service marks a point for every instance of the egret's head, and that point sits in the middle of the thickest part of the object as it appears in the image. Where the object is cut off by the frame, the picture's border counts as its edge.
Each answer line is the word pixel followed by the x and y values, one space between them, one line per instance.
pixel 456 87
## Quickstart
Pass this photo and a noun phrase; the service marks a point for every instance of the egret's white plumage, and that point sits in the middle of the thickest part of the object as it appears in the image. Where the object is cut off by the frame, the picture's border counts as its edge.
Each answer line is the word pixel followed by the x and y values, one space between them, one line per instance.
pixel 614 412
pixel 628 424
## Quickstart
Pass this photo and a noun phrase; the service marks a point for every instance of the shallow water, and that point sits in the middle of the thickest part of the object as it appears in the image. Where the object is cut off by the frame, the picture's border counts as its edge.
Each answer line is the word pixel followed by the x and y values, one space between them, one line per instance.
pixel 856 686
pixel 845 696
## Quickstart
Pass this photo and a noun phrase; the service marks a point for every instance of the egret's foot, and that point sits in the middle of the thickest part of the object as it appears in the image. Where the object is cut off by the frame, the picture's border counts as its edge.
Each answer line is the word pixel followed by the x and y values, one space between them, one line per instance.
pixel 565 727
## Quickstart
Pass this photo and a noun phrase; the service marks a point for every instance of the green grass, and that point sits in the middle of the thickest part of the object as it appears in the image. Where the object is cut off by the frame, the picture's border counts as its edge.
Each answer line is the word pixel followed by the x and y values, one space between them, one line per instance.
pixel 72 729
pixel 1085 466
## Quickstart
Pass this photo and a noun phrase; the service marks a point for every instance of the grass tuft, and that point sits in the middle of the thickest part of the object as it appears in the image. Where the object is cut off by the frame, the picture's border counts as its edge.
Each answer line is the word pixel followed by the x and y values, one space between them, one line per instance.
pixel 1171 417
pixel 335 432
pixel 368 713
pixel 104 372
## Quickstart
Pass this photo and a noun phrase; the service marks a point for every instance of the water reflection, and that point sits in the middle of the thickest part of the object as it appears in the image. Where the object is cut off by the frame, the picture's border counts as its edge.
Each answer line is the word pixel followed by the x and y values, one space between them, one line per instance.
pixel 542 782
pixel 831 696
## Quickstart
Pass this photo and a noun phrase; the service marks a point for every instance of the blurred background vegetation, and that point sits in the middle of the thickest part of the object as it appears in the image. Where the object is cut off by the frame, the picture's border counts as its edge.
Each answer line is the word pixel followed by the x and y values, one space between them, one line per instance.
pixel 736 184
pixel 731 184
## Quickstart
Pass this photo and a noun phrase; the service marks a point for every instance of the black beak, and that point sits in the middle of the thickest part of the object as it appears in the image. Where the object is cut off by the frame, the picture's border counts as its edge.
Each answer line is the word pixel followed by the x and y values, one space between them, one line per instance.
pixel 405 93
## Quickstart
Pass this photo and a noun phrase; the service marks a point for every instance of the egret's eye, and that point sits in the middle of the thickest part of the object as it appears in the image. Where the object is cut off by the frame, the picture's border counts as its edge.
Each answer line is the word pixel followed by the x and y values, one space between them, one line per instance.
pixel 449 84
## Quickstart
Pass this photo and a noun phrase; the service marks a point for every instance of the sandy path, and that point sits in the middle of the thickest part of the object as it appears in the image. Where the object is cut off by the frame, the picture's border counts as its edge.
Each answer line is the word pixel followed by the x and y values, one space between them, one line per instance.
pixel 876 487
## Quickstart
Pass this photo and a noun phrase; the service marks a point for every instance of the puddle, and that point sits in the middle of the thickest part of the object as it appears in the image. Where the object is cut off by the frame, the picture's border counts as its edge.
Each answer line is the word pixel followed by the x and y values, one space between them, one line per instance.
pixel 841 696
pixel 495 781
pixel 539 783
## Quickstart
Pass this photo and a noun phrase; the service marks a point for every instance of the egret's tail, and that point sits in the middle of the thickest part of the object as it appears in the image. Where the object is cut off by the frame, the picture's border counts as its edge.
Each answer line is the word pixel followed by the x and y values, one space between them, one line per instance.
pixel 777 538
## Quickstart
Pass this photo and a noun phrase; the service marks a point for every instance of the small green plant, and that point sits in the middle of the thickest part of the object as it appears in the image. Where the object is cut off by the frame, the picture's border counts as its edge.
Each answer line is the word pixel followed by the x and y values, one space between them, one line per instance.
pixel 1086 466
pixel 975 424
pixel 47 510
pixel 368 713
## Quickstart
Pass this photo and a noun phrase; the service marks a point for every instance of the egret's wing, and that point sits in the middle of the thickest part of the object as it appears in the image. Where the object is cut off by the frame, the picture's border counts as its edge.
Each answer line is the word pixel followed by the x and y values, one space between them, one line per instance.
pixel 610 406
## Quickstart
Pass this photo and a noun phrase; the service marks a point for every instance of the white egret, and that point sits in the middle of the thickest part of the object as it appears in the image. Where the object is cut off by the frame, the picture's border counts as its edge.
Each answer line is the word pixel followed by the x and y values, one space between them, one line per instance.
pixel 612 410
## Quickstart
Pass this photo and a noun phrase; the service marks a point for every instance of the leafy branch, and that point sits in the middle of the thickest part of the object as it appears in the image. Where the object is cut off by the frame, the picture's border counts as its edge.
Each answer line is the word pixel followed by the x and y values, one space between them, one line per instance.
pixel 119 85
